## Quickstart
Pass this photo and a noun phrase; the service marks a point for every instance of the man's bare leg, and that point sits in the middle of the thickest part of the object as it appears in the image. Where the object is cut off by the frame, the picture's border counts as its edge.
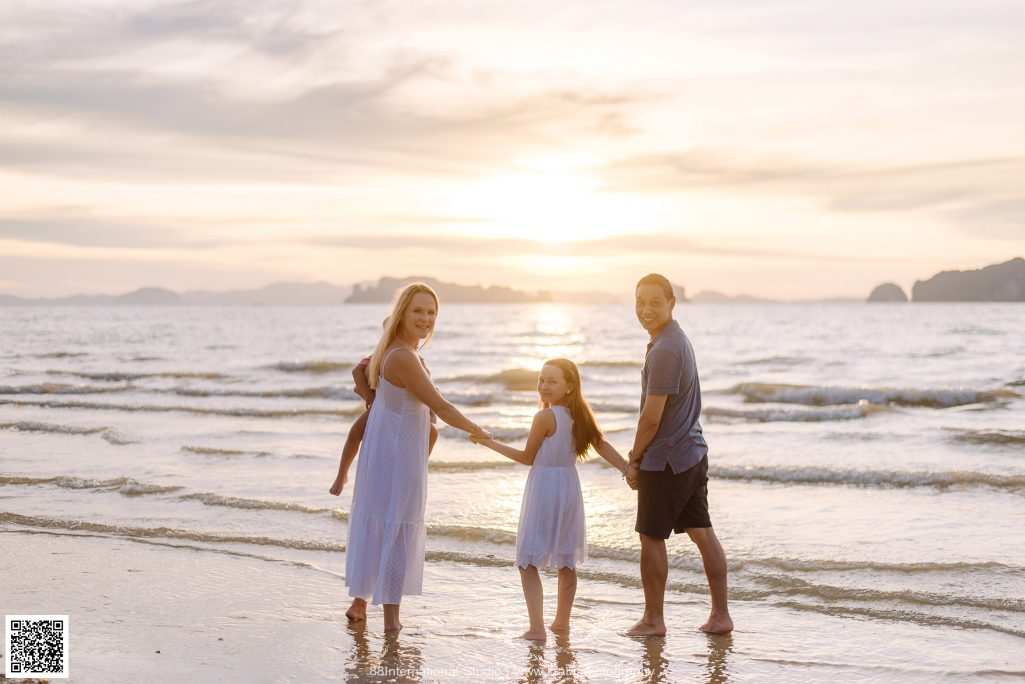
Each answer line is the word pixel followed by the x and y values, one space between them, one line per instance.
pixel 654 571
pixel 714 559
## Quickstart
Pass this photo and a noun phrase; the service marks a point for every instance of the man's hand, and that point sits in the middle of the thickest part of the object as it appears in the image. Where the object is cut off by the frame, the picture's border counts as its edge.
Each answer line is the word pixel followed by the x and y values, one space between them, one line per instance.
pixel 633 475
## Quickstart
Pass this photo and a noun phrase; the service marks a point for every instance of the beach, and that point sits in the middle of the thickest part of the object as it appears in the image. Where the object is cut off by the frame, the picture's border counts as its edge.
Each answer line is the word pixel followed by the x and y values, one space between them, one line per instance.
pixel 164 476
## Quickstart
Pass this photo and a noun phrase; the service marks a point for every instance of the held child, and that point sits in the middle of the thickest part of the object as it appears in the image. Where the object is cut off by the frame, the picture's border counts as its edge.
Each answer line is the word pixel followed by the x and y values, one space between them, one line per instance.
pixel 358 609
pixel 552 529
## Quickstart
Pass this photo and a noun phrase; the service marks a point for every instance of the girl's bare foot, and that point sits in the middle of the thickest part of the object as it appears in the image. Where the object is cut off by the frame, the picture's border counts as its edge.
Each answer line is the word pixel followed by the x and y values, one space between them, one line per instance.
pixel 645 629
pixel 717 624
pixel 534 635
pixel 357 611
pixel 559 626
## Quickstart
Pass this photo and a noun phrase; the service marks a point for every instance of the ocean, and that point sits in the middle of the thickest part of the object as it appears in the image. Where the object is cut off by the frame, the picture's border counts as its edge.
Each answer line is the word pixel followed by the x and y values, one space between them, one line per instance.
pixel 164 478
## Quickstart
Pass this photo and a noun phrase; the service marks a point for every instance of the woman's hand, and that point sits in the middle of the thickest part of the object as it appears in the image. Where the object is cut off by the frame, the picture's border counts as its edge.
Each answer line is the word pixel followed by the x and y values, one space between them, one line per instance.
pixel 339 483
pixel 481 435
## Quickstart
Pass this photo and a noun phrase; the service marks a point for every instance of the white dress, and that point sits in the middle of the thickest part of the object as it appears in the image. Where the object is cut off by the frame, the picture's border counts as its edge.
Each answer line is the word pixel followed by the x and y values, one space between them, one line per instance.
pixel 552 529
pixel 384 558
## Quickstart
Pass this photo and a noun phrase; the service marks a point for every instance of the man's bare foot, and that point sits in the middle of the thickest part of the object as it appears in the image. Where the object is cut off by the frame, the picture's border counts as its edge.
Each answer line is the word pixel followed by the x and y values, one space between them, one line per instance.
pixel 558 626
pixel 357 611
pixel 534 635
pixel 643 628
pixel 717 624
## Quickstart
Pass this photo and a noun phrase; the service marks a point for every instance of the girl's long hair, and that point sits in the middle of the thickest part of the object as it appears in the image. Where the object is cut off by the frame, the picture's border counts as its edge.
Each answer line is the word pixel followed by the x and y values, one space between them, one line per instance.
pixel 392 324
pixel 586 433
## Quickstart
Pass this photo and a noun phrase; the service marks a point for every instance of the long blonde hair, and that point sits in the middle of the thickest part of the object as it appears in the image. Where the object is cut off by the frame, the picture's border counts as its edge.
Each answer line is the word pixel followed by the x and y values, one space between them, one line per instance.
pixel 392 324
pixel 586 433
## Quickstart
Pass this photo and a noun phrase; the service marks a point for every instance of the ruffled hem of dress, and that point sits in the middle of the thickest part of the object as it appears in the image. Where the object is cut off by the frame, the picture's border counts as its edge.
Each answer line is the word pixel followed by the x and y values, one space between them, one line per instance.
pixel 548 560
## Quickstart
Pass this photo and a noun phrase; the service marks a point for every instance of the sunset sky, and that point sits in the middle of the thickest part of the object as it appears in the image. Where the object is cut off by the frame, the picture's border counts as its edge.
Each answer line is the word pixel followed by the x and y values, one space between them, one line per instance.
pixel 784 148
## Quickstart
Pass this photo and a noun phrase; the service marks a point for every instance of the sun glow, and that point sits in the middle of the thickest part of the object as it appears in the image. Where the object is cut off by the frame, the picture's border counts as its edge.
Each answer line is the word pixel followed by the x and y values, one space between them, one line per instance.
pixel 547 207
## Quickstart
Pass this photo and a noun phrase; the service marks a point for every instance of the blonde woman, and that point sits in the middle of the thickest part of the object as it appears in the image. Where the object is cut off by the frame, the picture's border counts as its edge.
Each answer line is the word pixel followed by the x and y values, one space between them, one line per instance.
pixel 385 552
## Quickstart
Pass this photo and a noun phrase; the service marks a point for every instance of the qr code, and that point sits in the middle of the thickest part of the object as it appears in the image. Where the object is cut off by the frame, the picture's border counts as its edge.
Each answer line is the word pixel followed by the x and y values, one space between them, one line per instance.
pixel 36 646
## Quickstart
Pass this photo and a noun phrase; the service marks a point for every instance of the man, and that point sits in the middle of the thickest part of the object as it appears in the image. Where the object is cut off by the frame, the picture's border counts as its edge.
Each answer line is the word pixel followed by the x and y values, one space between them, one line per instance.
pixel 669 462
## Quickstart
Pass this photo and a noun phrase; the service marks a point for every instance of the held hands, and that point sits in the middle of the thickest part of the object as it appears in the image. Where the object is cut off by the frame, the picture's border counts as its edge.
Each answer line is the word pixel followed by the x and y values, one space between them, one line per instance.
pixel 481 435
pixel 632 475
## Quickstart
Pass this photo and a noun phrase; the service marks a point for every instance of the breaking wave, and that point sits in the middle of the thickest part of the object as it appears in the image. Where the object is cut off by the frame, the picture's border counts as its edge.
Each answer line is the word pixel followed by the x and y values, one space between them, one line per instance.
pixel 123 485
pixel 862 409
pixel 319 367
pixel 60 388
pixel 1014 438
pixel 109 434
pixel 758 392
pixel 114 376
pixel 212 451
pixel 202 410
pixel 868 478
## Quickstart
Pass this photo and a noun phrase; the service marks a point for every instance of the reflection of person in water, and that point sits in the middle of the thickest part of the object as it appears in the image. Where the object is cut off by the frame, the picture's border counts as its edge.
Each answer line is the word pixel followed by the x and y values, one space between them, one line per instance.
pixel 654 666
pixel 399 662
pixel 720 646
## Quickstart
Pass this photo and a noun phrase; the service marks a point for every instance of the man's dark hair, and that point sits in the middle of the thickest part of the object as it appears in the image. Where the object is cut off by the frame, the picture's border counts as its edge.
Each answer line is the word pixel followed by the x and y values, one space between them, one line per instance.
pixel 658 279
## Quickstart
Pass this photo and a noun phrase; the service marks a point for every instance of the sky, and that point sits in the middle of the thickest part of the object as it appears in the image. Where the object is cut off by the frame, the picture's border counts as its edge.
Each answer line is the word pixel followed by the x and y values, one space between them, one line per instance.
pixel 781 148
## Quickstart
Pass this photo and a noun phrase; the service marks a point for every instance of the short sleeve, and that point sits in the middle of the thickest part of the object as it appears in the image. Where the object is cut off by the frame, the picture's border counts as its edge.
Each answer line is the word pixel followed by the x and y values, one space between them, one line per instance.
pixel 665 372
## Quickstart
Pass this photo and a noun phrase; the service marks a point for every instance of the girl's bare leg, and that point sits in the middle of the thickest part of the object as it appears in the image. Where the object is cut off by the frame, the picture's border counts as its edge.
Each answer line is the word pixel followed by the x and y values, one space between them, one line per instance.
pixel 534 595
pixel 567 592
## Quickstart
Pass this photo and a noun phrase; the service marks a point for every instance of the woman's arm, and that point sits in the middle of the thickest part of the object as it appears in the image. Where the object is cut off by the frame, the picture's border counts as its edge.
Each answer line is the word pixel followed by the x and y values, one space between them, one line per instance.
pixel 614 459
pixel 543 426
pixel 406 368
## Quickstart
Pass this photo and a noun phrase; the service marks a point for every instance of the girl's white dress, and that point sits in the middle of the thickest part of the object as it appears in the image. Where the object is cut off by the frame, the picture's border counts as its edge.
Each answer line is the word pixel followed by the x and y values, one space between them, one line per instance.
pixel 552 530
pixel 384 558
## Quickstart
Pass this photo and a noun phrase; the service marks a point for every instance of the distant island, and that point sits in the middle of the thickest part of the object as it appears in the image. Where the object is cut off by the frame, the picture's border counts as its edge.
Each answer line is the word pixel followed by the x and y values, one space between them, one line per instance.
pixel 997 283
pixel 386 288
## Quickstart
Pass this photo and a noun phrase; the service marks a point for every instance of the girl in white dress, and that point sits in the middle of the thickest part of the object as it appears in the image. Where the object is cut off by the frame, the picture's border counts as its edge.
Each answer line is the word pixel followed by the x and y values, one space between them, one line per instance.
pixel 384 558
pixel 552 530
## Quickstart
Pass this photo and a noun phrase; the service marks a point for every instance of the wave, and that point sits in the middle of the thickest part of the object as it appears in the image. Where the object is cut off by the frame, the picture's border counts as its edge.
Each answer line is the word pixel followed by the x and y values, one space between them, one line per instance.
pixel 115 376
pixel 867 478
pixel 123 485
pixel 757 392
pixel 827 565
pixel 862 409
pixel 163 532
pixel 60 388
pixel 299 393
pixel 471 466
pixel 213 451
pixel 318 367
pixel 989 437
pixel 202 410
pixel 516 379
pixel 773 361
pixel 60 355
pixel 611 363
pixel 211 499
pixel 109 434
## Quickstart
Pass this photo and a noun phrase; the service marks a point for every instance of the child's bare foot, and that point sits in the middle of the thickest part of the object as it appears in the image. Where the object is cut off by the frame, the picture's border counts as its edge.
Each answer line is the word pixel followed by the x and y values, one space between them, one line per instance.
pixel 644 628
pixel 357 611
pixel 534 635
pixel 717 624
pixel 559 625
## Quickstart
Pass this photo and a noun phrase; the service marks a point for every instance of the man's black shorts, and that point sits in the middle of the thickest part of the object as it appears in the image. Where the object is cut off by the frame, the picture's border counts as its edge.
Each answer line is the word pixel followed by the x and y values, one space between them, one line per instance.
pixel 668 502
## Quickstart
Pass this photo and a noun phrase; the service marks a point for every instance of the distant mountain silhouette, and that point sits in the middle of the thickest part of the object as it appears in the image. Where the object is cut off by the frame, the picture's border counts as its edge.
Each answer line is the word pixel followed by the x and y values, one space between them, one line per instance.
pixel 712 297
pixel 998 283
pixel 888 292
pixel 386 288
pixel 277 294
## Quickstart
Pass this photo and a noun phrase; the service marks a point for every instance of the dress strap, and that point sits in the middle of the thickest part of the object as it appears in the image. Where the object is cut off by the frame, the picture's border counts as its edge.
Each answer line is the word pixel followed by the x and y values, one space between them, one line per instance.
pixel 385 359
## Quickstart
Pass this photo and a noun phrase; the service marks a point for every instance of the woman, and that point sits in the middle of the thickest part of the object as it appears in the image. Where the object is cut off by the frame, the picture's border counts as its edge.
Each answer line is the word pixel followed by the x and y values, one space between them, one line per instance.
pixel 385 554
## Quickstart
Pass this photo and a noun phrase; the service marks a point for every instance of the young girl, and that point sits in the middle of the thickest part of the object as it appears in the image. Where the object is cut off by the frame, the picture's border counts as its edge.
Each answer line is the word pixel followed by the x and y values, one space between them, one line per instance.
pixel 552 528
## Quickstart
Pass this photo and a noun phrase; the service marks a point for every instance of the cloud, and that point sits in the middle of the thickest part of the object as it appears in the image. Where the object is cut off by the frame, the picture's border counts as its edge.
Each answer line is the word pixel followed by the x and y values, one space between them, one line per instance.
pixel 86 231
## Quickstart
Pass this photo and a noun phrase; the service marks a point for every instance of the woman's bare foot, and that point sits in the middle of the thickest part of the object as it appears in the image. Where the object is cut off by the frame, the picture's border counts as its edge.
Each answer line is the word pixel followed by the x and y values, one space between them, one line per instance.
pixel 393 628
pixel 717 624
pixel 559 626
pixel 643 628
pixel 357 611
pixel 534 635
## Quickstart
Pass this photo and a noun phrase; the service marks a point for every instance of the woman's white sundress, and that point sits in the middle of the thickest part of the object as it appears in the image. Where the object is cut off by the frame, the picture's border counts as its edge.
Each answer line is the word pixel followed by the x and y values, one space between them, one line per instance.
pixel 552 528
pixel 384 558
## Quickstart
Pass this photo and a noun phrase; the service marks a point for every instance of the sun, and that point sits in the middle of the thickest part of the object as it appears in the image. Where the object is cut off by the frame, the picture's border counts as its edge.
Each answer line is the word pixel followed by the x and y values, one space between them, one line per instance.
pixel 547 207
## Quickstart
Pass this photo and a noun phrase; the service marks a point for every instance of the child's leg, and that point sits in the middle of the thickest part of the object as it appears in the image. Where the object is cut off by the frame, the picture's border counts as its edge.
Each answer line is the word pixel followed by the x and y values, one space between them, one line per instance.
pixel 349 452
pixel 534 595
pixel 433 438
pixel 567 592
